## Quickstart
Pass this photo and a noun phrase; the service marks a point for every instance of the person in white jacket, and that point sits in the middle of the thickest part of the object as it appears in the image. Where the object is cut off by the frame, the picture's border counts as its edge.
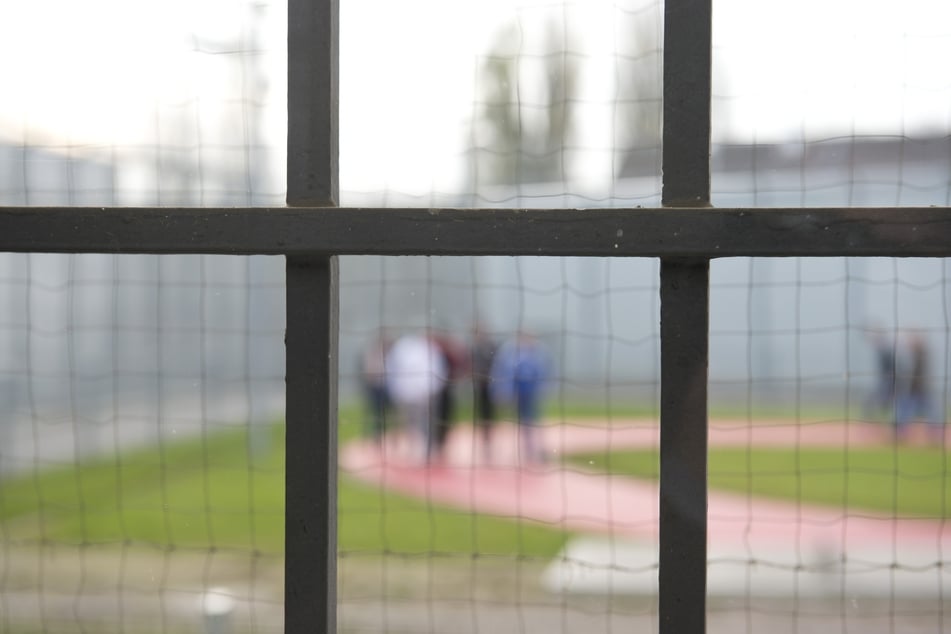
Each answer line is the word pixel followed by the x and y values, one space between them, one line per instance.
pixel 415 372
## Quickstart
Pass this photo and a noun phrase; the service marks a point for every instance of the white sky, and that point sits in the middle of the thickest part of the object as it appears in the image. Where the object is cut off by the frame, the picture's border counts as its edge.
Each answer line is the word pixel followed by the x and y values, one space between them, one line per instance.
pixel 825 67
pixel 92 71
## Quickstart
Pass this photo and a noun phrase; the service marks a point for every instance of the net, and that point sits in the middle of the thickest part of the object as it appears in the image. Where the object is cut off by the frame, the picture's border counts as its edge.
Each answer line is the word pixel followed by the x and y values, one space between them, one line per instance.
pixel 160 106
pixel 141 451
pixel 832 378
pixel 141 455
pixel 857 118
pixel 471 518
pixel 141 397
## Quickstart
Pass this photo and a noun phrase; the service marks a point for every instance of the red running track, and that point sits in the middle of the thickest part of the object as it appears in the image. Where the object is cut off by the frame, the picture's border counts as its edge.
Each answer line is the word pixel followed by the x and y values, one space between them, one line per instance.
pixel 578 501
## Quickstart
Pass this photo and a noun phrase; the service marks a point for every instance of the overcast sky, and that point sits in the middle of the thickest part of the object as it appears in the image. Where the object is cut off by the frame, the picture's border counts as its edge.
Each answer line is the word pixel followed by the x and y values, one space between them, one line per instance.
pixel 92 71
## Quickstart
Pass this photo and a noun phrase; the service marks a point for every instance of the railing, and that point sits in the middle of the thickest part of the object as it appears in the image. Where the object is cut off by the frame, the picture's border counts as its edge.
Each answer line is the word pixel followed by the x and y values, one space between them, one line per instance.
pixel 312 231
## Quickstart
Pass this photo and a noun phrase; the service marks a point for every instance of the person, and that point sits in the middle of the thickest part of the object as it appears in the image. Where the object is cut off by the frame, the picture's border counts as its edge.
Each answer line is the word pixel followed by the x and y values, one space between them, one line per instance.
pixel 520 371
pixel 882 397
pixel 914 396
pixel 455 362
pixel 415 372
pixel 482 355
pixel 373 381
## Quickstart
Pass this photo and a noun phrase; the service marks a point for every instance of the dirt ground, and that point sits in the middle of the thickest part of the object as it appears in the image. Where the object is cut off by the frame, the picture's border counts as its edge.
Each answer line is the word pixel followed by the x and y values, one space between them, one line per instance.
pixel 160 592
pixel 495 597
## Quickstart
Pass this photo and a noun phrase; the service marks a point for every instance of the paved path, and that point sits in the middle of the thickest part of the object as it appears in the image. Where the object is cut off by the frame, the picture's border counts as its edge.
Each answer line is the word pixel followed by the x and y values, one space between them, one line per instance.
pixel 741 529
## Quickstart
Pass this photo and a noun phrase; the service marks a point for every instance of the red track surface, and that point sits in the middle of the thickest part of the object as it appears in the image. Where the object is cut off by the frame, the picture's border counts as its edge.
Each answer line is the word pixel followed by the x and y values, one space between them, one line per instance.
pixel 587 502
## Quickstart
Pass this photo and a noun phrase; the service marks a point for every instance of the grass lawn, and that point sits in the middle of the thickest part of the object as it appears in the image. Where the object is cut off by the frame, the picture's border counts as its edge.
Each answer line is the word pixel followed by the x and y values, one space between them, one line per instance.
pixel 906 481
pixel 214 493
pixel 202 494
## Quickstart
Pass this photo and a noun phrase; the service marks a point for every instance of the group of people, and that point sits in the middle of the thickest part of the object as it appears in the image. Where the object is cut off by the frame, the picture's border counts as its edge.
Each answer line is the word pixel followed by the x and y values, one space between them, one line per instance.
pixel 902 390
pixel 414 379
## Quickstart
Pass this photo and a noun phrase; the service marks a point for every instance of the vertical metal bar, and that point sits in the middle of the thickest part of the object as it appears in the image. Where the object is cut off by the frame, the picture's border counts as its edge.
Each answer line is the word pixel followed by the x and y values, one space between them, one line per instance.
pixel 312 103
pixel 310 569
pixel 684 317
pixel 687 55
pixel 684 323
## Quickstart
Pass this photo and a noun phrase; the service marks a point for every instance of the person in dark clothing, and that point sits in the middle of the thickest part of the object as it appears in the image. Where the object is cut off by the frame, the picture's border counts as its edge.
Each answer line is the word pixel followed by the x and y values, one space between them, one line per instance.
pixel 914 395
pixel 453 353
pixel 373 379
pixel 482 356
pixel 882 397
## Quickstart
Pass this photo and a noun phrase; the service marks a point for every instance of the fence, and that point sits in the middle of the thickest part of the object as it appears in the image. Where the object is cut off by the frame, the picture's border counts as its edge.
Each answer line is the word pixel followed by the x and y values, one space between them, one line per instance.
pixel 311 232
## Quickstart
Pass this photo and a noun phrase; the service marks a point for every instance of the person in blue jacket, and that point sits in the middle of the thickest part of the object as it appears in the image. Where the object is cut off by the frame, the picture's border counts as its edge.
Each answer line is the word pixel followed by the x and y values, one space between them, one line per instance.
pixel 520 370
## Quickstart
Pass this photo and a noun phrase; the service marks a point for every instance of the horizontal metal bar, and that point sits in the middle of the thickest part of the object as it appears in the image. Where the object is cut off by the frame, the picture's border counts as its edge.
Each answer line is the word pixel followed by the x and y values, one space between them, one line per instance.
pixel 923 232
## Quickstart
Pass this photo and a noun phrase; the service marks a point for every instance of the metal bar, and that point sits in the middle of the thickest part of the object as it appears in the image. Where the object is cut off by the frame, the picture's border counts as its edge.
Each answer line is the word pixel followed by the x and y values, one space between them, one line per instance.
pixel 687 55
pixel 684 322
pixel 312 103
pixel 310 569
pixel 684 318
pixel 912 232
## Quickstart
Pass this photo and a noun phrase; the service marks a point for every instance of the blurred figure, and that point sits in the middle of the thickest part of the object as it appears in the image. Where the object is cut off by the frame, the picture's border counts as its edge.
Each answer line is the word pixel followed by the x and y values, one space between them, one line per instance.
pixel 914 395
pixel 882 397
pixel 454 359
pixel 415 373
pixel 373 379
pixel 519 373
pixel 482 355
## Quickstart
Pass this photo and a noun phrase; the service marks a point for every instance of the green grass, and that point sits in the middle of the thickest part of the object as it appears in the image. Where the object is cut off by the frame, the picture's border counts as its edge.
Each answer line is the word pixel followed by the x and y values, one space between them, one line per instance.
pixel 907 481
pixel 201 494
pixel 213 492
pixel 183 494
pixel 374 521
pixel 576 410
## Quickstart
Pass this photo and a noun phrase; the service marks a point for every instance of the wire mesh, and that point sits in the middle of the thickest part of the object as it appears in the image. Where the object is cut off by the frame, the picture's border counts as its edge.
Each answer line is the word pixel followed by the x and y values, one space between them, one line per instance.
pixel 858 117
pixel 166 105
pixel 832 378
pixel 493 522
pixel 141 471
pixel 140 458
pixel 527 104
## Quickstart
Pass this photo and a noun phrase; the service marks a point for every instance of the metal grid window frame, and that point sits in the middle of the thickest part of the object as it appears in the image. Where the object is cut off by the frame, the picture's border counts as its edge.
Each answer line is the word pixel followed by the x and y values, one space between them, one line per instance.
pixel 312 231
